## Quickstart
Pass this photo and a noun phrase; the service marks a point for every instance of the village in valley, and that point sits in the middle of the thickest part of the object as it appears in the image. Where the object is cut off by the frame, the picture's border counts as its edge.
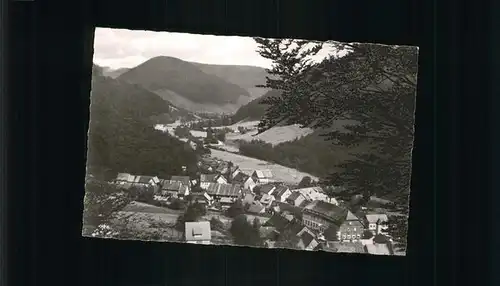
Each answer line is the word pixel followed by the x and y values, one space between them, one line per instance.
pixel 272 143
pixel 225 205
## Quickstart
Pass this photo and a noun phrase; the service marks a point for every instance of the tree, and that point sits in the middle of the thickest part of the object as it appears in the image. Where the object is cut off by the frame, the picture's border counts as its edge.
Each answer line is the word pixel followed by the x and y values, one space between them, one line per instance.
pixel 236 209
pixel 397 228
pixel 244 233
pixel 305 182
pixel 177 204
pixel 367 234
pixel 372 84
pixel 193 213
pixel 216 223
pixel 221 136
pixel 182 131
pixel 287 239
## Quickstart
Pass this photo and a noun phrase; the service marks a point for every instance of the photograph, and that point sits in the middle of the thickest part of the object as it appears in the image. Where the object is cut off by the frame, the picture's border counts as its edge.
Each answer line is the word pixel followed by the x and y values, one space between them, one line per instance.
pixel 248 141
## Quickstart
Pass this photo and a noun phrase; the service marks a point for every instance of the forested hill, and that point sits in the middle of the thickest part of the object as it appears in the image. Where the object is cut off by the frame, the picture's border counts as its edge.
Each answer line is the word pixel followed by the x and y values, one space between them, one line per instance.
pixel 254 110
pixel 121 134
pixel 163 73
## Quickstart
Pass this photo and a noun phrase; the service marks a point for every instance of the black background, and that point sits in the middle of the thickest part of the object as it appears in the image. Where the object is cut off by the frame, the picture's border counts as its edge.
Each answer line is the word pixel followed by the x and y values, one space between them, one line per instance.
pixel 46 92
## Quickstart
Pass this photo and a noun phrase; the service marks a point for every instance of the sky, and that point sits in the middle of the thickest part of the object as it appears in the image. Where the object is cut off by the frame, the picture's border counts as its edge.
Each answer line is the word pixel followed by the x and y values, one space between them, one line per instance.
pixel 119 48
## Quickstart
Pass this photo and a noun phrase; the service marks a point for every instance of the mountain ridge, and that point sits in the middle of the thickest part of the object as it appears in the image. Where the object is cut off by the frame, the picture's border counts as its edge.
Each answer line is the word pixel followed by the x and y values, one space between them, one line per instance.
pixel 185 79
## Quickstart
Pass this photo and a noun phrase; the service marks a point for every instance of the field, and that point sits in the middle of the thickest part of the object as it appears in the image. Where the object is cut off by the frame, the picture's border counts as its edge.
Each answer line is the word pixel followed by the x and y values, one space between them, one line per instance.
pixel 273 136
pixel 248 165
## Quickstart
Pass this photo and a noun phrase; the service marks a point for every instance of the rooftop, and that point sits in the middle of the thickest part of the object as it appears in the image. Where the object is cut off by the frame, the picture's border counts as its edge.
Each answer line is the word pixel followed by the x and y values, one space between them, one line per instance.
pixel 376 218
pixel 223 190
pixel 378 249
pixel 263 174
pixel 326 209
pixel 294 196
pixel 208 177
pixel 199 230
pixel 184 179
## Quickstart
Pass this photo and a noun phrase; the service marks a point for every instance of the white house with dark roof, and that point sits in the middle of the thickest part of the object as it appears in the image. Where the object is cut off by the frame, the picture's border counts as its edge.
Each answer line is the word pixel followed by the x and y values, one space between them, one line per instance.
pixel 244 180
pixel 376 223
pixel 206 179
pixel 198 232
pixel 281 193
pixel 316 194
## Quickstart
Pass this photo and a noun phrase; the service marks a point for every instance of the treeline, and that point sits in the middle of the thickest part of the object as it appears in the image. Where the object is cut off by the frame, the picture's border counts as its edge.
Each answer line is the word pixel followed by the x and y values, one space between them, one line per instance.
pixel 121 134
pixel 255 109
pixel 310 154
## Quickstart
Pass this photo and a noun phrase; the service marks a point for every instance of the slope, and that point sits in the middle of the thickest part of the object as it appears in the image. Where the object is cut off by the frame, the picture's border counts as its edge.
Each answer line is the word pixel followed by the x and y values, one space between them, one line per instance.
pixel 247 77
pixel 121 134
pixel 254 110
pixel 184 78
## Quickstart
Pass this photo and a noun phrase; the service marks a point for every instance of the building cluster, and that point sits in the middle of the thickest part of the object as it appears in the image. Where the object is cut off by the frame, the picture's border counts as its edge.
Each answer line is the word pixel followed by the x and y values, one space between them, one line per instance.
pixel 305 217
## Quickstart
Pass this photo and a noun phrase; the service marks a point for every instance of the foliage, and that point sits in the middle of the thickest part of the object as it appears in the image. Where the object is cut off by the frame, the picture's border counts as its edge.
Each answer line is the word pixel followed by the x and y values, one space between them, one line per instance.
pixel 305 182
pixel 372 84
pixel 216 223
pixel 121 137
pixel 287 239
pixel 101 200
pixel 193 212
pixel 182 131
pixel 367 234
pixel 397 228
pixel 310 154
pixel 236 209
pixel 244 232
pixel 177 204
pixel 255 109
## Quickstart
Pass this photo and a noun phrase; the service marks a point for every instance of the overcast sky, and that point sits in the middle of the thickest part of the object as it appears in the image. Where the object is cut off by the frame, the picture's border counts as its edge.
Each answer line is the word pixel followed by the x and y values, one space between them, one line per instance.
pixel 118 48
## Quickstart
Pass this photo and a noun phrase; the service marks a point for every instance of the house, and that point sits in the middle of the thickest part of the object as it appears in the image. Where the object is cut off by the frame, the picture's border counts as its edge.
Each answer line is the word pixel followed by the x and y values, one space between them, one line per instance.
pixel 124 178
pixel 351 228
pixel 256 208
pixel 183 179
pixel 307 240
pixel 378 249
pixel 218 191
pixel 281 193
pixel 377 223
pixel 316 194
pixel 147 182
pixel 266 200
pixel 198 232
pixel 233 171
pixel 320 215
pixel 174 189
pixel 205 179
pixel 244 180
pixel 201 198
pixel 262 176
pixel 295 199
pixel 266 189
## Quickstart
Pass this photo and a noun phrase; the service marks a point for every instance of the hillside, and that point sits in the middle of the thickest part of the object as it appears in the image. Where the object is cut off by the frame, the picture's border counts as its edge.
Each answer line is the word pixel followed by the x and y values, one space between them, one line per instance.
pixel 114 73
pixel 161 74
pixel 247 77
pixel 121 134
pixel 254 110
